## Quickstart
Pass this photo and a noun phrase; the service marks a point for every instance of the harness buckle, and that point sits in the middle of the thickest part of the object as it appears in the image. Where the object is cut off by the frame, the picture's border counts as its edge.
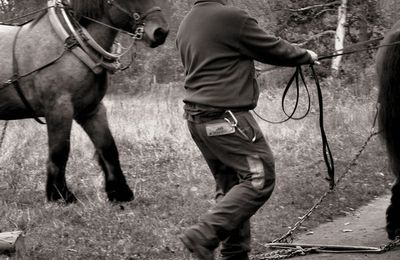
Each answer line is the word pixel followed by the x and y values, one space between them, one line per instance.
pixel 7 83
pixel 136 16
pixel 13 79
pixel 70 42
pixel 139 33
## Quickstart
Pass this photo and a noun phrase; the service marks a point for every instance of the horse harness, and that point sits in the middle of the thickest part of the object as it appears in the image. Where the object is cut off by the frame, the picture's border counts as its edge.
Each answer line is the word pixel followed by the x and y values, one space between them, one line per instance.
pixel 82 44
pixel 79 42
pixel 15 80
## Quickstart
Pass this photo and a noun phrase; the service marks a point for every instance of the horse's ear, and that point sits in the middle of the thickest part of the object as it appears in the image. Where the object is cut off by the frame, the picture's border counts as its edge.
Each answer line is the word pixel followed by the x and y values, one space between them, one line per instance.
pixel 91 8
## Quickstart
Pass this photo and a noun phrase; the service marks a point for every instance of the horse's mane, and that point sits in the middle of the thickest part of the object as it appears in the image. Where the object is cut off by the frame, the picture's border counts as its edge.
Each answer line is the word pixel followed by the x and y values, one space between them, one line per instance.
pixel 91 8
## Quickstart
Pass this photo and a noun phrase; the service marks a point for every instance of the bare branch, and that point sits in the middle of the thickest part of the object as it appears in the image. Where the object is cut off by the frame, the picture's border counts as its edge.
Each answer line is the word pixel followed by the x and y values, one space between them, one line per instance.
pixel 316 36
pixel 324 11
pixel 314 6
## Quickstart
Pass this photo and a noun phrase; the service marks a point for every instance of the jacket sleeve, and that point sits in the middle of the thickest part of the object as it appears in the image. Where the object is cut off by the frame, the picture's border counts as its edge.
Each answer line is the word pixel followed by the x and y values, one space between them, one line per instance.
pixel 258 45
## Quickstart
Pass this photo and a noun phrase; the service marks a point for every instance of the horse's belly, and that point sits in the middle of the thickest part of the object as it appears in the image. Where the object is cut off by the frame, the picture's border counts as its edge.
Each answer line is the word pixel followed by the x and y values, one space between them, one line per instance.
pixel 11 106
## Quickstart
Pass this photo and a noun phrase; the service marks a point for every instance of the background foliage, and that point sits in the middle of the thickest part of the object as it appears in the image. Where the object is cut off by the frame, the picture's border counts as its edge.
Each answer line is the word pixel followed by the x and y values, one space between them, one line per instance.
pixel 310 23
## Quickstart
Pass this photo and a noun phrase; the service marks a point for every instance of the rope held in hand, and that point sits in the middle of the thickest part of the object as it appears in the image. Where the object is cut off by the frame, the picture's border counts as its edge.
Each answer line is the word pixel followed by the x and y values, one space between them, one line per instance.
pixel 328 158
pixel 298 74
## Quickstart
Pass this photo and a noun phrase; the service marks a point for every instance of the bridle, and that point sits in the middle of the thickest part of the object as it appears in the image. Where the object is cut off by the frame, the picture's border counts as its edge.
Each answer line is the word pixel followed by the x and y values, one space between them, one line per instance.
pixel 89 51
pixel 136 16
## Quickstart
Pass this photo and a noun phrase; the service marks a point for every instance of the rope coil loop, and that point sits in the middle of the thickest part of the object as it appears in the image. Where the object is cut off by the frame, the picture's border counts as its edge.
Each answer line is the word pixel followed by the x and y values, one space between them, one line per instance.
pixel 297 76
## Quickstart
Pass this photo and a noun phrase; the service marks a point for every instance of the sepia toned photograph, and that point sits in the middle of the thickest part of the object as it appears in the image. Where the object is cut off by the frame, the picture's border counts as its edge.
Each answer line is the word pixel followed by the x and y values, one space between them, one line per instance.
pixel 199 129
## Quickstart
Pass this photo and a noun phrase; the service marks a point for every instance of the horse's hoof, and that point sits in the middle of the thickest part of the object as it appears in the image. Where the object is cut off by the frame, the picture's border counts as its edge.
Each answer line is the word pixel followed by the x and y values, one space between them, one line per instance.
pixel 54 195
pixel 121 194
pixel 393 222
pixel 70 198
pixel 392 232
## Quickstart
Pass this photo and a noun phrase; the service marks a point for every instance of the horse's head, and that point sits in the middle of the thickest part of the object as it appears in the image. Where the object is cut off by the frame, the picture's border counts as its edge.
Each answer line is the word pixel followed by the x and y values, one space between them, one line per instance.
pixel 132 15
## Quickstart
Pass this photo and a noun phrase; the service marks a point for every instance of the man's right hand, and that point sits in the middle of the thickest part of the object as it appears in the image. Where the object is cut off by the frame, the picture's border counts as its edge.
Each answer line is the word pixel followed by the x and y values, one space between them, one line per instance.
pixel 314 57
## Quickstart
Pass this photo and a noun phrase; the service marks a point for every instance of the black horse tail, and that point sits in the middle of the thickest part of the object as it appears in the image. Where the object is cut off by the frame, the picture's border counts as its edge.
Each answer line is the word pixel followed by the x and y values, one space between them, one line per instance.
pixel 388 70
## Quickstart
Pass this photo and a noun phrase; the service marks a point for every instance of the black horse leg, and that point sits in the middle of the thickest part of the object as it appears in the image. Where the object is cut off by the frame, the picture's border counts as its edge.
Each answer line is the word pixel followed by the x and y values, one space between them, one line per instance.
pixel 393 212
pixel 59 123
pixel 96 126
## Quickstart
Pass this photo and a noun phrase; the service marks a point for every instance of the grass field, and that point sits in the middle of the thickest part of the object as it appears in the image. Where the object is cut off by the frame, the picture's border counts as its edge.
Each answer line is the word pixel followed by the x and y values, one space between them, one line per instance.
pixel 171 181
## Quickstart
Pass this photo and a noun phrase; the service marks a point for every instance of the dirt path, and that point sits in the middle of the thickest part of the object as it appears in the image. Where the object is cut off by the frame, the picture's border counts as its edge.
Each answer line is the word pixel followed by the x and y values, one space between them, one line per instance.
pixel 365 227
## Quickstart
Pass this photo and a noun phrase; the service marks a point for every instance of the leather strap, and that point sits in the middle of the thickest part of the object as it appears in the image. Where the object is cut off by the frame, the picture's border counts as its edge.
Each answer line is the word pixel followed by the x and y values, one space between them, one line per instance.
pixel 64 35
pixel 15 81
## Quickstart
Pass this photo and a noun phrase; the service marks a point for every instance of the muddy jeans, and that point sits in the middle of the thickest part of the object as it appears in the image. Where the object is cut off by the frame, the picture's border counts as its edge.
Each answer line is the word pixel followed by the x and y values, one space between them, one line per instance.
pixel 243 167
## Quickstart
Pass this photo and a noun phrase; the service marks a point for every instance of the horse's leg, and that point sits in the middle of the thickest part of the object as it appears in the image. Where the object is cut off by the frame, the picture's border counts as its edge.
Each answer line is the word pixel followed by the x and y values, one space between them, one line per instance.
pixel 393 211
pixel 96 126
pixel 59 121
pixel 388 67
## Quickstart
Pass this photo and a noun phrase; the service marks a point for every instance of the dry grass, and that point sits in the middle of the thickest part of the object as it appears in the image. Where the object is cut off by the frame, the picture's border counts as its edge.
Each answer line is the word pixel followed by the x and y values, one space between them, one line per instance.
pixel 171 181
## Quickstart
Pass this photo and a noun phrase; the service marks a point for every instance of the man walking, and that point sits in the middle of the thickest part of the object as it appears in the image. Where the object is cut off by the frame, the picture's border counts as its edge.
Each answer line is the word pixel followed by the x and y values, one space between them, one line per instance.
pixel 218 45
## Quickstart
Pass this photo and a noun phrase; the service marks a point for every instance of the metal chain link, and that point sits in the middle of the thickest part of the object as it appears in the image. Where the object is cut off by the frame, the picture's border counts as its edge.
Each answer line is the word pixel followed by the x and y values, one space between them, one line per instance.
pixel 288 237
pixel 391 245
pixel 300 251
pixel 284 254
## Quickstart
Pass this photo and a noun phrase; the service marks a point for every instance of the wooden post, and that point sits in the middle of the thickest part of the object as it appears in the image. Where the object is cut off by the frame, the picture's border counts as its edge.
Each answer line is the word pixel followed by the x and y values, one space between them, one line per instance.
pixel 12 242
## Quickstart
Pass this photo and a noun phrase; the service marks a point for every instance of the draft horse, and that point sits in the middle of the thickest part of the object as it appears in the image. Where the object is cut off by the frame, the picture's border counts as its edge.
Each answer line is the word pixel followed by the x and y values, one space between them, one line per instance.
pixel 56 67
pixel 388 70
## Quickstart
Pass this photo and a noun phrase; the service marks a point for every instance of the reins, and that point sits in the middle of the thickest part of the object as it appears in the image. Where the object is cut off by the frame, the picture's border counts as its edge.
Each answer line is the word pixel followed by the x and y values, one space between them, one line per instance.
pixel 294 78
pixel 9 21
pixel 344 53
pixel 298 74
pixel 109 26
pixel 328 158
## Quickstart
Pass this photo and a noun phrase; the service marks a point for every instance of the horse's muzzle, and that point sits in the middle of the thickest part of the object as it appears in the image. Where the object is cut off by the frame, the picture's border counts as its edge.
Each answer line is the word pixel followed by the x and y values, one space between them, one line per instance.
pixel 155 35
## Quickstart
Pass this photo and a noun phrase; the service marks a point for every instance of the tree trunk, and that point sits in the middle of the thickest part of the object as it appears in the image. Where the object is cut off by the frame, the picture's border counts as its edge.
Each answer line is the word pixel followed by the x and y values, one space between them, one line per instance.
pixel 339 37
pixel 12 242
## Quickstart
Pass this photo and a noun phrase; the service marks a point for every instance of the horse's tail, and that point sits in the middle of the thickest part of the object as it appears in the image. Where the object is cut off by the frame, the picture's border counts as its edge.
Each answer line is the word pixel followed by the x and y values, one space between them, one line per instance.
pixel 388 70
